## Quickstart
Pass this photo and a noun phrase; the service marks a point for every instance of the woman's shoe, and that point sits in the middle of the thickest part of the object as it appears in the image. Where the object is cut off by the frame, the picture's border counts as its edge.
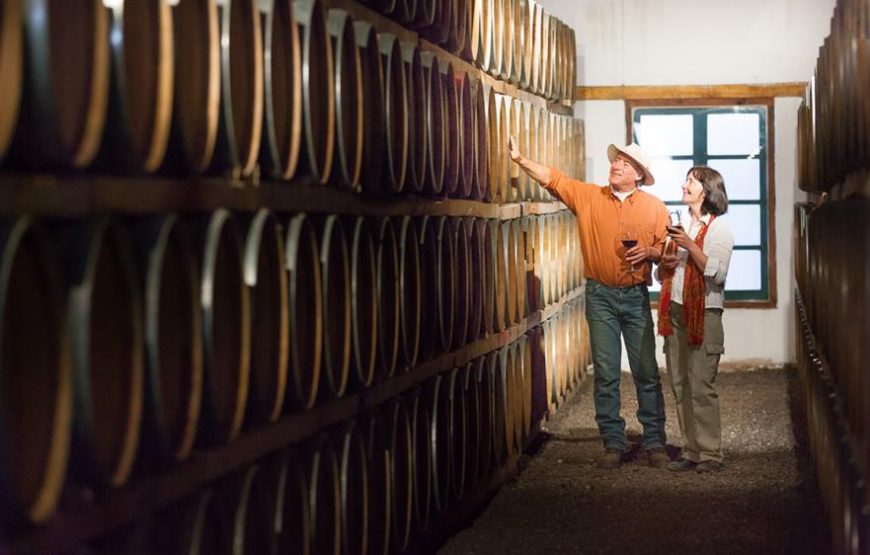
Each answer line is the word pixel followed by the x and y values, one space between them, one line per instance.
pixel 681 465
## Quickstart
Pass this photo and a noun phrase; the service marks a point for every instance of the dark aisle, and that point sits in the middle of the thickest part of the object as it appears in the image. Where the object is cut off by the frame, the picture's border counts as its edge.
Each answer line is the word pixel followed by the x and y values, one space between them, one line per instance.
pixel 765 501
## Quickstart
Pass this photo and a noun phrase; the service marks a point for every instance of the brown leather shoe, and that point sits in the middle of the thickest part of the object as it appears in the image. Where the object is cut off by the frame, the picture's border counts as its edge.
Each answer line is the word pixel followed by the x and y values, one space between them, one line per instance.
pixel 658 457
pixel 709 466
pixel 681 465
pixel 611 458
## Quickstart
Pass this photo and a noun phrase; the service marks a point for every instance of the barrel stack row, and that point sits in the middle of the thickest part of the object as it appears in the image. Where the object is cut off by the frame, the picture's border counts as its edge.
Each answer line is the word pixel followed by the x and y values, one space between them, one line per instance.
pixel 375 484
pixel 140 338
pixel 140 347
pixel 832 239
pixel 513 40
pixel 834 116
pixel 276 89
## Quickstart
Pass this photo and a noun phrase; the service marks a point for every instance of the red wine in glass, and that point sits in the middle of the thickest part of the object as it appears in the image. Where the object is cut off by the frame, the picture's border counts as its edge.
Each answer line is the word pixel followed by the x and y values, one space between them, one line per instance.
pixel 629 243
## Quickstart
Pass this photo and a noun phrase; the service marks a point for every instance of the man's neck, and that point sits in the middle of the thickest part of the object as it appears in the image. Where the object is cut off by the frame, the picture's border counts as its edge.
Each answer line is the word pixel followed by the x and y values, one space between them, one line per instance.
pixel 623 188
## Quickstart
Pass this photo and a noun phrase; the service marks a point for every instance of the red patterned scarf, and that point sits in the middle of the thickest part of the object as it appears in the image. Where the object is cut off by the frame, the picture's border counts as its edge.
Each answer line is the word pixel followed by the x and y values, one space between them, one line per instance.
pixel 694 291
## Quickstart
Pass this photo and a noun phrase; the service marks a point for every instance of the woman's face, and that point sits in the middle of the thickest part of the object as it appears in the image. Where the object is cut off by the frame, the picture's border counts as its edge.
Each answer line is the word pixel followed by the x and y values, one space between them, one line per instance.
pixel 693 191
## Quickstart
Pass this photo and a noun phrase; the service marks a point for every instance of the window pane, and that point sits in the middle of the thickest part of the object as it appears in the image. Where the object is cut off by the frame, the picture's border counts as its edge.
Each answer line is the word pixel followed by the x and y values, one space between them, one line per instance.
pixel 670 175
pixel 732 134
pixel 744 272
pixel 742 177
pixel 665 135
pixel 745 223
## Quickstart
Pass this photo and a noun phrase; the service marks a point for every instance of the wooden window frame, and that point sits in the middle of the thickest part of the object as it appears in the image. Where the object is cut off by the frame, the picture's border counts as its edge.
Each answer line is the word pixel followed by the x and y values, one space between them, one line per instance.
pixel 768 102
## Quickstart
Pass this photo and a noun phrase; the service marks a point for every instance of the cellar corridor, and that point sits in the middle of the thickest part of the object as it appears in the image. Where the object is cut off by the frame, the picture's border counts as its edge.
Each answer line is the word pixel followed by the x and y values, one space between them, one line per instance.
pixel 765 501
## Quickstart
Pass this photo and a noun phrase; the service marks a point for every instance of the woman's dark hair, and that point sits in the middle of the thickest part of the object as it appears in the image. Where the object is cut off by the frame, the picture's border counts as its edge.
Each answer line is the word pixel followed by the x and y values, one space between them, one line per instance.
pixel 715 197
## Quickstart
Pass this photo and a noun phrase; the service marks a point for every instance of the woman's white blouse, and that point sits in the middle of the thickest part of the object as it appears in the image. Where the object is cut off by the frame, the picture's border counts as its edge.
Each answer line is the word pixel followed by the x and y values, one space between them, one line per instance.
pixel 718 244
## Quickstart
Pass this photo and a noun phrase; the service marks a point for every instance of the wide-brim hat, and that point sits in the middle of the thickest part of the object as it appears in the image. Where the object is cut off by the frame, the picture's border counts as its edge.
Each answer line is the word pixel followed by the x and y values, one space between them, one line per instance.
pixel 637 155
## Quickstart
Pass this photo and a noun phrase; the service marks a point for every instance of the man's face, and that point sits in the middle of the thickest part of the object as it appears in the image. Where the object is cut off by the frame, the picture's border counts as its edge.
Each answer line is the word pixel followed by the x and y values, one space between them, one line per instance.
pixel 623 174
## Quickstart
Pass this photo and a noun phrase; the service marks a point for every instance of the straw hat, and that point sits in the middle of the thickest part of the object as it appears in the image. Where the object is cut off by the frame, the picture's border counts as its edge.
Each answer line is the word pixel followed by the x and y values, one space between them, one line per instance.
pixel 637 155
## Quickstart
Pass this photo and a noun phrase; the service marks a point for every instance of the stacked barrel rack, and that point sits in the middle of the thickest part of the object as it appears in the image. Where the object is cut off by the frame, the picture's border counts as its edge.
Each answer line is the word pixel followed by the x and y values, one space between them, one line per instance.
pixel 832 240
pixel 270 283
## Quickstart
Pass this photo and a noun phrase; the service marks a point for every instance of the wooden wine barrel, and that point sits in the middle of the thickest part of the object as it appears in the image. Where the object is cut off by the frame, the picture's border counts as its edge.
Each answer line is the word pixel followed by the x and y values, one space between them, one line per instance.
pixel 374 122
pixel 282 87
pixel 421 422
pixel 521 133
pixel 517 40
pixel 513 191
pixel 499 275
pixel 318 91
pixel 438 398
pixel 253 512
pixel 436 132
pixel 502 167
pixel 324 496
pixel 430 327
pixel 348 100
pixel 475 282
pixel 416 102
pixel 552 370
pixel 389 304
pixel 528 33
pixel 241 101
pixel 537 49
pixel 395 112
pixel 517 232
pixel 493 155
pixel 439 31
pixel 140 100
pixel 292 524
pixel 458 430
pixel 364 302
pixel 404 11
pixel 461 280
pixel 481 33
pixel 226 329
pixel 552 91
pixel 546 56
pixel 306 323
pixel 465 132
pixel 36 389
pixel 425 14
pixel 173 337
pixel 335 275
pixel 409 291
pixel 460 44
pixel 104 310
pixel 378 478
pixel 528 383
pixel 531 280
pixel 484 378
pixel 479 134
pixel 453 128
pixel 401 473
pixel 266 277
pixel 196 80
pixel 509 255
pixel 11 72
pixel 519 395
pixel 502 428
pixel 354 489
pixel 497 60
pixel 440 257
pixel 472 425
pixel 66 76
pixel 541 273
pixel 488 279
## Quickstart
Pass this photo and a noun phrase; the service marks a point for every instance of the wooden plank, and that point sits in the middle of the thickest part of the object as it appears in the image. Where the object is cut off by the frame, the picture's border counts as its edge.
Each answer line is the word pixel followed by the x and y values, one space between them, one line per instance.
pixel 651 92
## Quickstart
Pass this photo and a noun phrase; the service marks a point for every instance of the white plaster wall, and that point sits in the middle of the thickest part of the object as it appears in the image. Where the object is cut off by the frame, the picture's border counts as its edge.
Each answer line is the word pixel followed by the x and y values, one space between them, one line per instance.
pixel 692 42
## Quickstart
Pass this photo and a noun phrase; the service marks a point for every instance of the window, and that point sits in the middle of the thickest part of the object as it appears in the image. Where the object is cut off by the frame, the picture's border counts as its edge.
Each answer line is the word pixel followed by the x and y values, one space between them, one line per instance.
pixel 736 139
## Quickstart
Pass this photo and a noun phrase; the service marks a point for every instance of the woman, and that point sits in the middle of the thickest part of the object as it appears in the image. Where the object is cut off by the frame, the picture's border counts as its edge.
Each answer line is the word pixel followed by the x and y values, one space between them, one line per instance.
pixel 690 316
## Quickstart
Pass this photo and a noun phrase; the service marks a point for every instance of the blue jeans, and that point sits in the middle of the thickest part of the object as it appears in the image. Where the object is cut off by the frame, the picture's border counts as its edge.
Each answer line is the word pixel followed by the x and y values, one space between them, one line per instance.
pixel 611 311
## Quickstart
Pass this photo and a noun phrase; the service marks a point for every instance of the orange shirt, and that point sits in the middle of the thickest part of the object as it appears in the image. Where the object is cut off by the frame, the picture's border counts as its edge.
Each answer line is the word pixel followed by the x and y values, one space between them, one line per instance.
pixel 601 217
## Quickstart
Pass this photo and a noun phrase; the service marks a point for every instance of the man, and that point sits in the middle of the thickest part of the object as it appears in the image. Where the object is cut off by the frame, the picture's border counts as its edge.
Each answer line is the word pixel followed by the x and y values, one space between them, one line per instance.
pixel 617 299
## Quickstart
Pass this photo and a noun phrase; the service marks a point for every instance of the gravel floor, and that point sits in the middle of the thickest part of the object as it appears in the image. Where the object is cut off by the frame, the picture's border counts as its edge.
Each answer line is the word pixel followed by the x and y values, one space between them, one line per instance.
pixel 765 501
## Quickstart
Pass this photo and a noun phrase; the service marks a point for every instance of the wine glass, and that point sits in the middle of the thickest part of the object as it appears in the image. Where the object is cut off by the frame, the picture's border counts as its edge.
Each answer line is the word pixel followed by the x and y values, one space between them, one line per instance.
pixel 675 219
pixel 629 241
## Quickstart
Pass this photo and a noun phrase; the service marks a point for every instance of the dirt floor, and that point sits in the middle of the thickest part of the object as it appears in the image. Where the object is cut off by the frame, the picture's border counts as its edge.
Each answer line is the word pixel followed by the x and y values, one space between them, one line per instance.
pixel 765 501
